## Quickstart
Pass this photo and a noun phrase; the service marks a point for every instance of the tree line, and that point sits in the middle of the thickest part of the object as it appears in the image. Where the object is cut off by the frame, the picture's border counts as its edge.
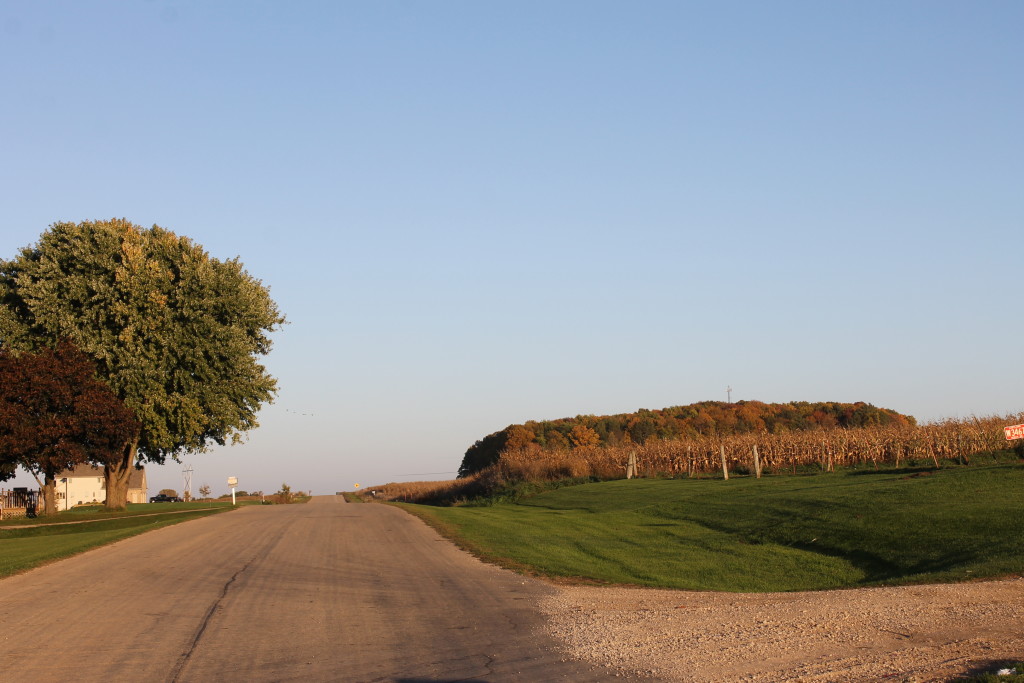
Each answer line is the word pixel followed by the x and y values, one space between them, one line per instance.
pixel 703 419
pixel 122 345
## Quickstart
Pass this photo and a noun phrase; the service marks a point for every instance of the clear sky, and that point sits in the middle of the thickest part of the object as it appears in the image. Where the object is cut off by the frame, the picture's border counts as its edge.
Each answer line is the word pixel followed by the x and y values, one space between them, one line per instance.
pixel 478 213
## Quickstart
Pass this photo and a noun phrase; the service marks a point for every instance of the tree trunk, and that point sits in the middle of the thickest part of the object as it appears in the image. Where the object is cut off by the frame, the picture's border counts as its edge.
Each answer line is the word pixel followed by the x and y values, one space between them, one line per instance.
pixel 116 475
pixel 49 493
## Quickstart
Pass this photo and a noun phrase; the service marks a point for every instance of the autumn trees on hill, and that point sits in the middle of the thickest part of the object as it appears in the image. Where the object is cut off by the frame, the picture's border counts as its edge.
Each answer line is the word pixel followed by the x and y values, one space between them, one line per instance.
pixel 699 419
pixel 175 334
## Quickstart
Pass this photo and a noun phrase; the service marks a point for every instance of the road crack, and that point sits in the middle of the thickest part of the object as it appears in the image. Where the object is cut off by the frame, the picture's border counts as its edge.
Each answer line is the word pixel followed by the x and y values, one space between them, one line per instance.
pixel 206 622
pixel 175 673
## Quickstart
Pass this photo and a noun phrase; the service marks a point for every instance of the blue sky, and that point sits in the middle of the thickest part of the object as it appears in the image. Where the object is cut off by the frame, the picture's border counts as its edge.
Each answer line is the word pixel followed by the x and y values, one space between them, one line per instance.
pixel 479 213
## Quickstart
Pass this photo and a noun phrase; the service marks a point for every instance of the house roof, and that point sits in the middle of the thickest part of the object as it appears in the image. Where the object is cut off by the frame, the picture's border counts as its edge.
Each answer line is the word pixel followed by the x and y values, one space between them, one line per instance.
pixel 135 481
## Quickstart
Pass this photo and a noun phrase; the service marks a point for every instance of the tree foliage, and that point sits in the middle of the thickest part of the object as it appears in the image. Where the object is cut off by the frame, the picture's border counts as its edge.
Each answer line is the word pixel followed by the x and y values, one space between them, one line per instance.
pixel 285 495
pixel 55 414
pixel 708 418
pixel 175 333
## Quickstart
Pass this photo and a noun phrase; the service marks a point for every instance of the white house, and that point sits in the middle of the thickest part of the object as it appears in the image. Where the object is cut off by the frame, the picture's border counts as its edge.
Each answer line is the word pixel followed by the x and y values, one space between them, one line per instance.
pixel 85 484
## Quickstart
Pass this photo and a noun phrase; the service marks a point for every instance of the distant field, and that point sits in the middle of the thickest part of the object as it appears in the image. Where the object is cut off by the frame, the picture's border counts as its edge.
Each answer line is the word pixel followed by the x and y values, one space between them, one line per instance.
pixel 23 547
pixel 830 530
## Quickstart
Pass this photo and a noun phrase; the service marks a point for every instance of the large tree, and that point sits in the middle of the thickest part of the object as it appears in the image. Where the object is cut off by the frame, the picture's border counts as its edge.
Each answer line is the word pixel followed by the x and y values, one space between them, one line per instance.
pixel 175 333
pixel 55 414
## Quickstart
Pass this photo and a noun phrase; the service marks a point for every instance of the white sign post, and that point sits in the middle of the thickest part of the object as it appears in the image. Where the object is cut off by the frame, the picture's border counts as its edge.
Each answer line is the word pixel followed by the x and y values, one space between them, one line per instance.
pixel 232 482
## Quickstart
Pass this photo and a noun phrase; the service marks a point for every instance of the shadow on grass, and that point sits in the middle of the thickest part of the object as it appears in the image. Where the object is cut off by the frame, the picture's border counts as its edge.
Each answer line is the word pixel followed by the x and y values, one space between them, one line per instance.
pixel 878 570
pixel 923 469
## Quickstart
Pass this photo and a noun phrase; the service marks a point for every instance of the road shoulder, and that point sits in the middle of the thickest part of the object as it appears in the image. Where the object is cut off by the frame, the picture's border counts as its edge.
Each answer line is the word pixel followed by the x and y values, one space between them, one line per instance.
pixel 906 633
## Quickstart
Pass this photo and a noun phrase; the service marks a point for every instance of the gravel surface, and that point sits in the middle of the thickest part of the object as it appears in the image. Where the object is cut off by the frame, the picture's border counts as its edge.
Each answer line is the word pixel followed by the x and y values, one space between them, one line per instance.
pixel 910 633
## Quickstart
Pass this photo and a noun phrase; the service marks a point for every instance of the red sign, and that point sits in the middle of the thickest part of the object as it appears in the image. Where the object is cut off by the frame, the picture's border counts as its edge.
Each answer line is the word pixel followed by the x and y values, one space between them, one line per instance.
pixel 1014 432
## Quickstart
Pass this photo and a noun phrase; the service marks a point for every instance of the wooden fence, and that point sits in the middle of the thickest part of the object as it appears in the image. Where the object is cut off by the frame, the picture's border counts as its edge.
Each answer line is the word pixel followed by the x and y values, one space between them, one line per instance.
pixel 19 502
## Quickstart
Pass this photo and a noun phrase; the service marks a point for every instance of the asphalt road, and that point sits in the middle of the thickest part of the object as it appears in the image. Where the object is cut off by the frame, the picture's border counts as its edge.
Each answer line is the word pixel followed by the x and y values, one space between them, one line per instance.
pixel 325 591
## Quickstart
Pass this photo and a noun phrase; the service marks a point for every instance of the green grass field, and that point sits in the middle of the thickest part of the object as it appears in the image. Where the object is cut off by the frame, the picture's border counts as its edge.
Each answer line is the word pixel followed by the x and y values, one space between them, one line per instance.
pixel 81 513
pixel 23 548
pixel 784 533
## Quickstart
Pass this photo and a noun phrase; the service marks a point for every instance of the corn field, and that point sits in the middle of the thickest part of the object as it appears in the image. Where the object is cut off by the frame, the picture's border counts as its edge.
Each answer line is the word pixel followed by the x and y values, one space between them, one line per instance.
pixel 827 449
pixel 953 440
pixel 417 491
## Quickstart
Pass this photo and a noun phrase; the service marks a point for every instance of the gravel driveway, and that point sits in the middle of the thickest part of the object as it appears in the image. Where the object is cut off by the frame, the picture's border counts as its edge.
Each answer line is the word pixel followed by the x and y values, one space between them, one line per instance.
pixel 910 633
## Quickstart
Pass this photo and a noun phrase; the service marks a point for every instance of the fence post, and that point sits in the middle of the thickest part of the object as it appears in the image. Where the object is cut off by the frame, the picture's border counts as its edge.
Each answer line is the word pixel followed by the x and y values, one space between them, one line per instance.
pixel 631 465
pixel 725 468
pixel 757 463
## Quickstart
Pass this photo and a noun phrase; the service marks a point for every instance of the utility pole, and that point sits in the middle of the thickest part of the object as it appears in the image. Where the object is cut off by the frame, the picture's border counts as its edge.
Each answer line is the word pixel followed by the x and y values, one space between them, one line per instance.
pixel 728 393
pixel 186 485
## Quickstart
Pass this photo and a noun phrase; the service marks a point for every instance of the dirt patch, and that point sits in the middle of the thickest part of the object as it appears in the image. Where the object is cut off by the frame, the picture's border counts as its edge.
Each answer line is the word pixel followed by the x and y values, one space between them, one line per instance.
pixel 910 633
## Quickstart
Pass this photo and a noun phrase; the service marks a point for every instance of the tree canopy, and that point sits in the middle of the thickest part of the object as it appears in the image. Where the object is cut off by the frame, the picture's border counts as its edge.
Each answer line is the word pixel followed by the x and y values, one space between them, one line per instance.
pixel 174 332
pixel 55 414
pixel 707 418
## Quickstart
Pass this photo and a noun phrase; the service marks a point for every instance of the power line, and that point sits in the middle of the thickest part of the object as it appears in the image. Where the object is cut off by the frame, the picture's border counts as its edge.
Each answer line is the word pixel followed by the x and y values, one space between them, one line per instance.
pixel 422 474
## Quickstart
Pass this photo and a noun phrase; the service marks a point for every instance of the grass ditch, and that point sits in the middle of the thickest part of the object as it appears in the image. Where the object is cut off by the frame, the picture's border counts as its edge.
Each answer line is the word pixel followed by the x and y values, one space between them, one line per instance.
pixel 842 529
pixel 999 672
pixel 25 547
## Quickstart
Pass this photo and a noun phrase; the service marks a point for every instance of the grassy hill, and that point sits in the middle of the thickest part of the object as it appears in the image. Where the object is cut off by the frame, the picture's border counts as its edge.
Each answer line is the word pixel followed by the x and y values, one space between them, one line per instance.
pixel 834 530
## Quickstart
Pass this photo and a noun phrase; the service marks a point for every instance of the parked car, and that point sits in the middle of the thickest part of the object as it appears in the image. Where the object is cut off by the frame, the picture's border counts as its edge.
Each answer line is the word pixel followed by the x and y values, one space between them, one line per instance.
pixel 164 498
